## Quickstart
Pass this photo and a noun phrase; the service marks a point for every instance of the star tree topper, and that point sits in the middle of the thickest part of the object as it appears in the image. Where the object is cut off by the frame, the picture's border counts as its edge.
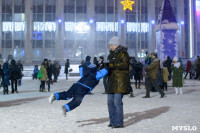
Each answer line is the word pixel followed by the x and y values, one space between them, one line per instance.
pixel 127 4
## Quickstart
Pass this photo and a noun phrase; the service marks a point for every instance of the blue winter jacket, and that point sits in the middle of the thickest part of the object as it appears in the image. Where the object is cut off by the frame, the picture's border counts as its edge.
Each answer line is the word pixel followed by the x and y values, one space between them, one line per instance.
pixel 90 76
pixel 6 74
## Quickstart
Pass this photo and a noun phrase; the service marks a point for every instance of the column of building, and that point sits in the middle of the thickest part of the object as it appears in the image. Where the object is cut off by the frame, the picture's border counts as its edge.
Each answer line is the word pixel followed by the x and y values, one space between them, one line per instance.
pixel 91 34
pixel 59 44
pixel 180 18
pixel 1 28
pixel 28 31
pixel 151 18
pixel 191 29
pixel 121 23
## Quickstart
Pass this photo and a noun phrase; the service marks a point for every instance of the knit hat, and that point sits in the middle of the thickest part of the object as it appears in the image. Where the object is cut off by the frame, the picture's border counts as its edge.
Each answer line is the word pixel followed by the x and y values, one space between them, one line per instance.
pixel 175 59
pixel 155 54
pixel 114 41
pixel 87 58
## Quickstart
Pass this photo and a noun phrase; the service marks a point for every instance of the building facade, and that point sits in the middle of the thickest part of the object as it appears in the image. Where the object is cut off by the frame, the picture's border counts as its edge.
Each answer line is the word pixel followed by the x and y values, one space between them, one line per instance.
pixel 31 30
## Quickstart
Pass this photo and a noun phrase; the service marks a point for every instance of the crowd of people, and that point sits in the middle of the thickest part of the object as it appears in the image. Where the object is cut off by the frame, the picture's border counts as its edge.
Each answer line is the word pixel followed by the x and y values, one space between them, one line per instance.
pixel 11 74
pixel 116 72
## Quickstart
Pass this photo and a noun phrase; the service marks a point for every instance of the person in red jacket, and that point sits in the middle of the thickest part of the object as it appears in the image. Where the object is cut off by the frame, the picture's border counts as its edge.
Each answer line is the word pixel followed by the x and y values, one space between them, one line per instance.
pixel 188 69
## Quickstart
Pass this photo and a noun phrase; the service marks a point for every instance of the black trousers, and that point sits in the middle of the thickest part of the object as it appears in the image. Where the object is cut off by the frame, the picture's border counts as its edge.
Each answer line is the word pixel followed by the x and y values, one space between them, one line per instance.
pixel 42 85
pixel 14 83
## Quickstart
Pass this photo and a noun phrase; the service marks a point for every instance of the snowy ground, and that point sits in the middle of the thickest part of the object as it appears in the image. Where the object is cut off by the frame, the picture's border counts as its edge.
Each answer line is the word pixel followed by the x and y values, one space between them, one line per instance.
pixel 29 111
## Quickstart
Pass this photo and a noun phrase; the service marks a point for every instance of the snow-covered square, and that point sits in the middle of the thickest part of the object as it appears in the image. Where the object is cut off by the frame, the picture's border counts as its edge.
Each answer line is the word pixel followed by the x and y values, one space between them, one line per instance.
pixel 30 112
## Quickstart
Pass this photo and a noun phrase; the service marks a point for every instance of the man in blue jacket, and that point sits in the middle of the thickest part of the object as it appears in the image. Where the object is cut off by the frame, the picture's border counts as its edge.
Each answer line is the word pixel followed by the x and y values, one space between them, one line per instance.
pixel 89 79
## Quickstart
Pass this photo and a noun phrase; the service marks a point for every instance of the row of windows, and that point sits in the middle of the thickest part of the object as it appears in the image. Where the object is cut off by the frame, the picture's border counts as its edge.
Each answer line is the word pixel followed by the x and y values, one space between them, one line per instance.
pixel 81 7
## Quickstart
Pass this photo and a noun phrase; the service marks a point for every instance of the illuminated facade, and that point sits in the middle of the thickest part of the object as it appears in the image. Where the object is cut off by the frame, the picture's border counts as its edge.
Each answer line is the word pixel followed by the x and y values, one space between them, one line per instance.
pixel 31 30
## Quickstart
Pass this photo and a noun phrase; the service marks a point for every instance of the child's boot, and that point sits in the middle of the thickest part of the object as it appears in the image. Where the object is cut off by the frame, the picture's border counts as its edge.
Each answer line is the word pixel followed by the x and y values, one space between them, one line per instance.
pixel 52 98
pixel 64 111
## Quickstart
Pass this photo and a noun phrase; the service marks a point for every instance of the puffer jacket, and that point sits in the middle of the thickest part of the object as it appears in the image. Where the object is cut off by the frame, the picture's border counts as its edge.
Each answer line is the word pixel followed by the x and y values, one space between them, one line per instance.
pixel 44 73
pixel 118 77
pixel 165 75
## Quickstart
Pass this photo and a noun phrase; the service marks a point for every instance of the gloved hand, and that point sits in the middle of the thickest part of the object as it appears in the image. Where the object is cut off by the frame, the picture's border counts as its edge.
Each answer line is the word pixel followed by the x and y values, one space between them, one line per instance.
pixel 106 64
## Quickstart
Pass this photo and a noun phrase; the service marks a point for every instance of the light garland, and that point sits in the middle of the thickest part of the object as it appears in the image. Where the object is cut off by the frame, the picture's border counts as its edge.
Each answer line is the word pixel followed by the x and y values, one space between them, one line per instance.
pixel 135 27
pixel 44 26
pixel 79 27
pixel 13 26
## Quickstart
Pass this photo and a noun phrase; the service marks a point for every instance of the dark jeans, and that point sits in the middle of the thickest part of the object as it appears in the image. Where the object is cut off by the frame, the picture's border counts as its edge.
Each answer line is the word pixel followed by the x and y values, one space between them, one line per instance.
pixel 42 85
pixel 77 92
pixel 115 109
pixel 55 77
pixel 155 85
pixel 49 84
pixel 13 82
pixel 164 86
pixel 138 82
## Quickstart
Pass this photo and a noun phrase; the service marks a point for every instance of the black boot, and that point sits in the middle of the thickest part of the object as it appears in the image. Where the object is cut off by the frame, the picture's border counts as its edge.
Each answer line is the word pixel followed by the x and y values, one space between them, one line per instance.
pixel 147 96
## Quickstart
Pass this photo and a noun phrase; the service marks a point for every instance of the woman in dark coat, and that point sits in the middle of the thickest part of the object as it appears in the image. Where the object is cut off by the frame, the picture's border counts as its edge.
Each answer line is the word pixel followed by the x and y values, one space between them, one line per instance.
pixel 15 74
pixel 6 74
pixel 138 67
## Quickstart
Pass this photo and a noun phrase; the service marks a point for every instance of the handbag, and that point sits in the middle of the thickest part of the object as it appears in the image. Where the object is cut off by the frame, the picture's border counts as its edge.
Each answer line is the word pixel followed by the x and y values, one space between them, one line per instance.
pixel 39 75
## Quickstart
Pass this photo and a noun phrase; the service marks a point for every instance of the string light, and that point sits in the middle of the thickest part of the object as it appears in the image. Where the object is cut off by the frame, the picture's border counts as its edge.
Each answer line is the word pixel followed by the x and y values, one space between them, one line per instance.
pixel 80 27
pixel 13 26
pixel 44 26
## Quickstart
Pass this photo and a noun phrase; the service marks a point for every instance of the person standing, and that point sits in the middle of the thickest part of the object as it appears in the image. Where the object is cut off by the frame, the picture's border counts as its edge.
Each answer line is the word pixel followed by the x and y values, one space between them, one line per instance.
pixel 49 74
pixel 101 66
pixel 138 67
pixel 153 71
pixel 67 65
pixel 15 74
pixel 118 81
pixel 44 77
pixel 196 67
pixel 6 74
pixel 177 81
pixel 168 64
pixel 21 69
pixel 96 62
pixel 188 69
pixel 35 72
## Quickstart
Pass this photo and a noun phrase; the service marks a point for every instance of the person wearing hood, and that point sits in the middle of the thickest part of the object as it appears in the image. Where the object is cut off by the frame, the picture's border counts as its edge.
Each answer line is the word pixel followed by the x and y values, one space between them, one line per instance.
pixel 177 70
pixel 90 77
pixel 118 82
pixel 87 59
pixel 15 74
pixel 6 74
